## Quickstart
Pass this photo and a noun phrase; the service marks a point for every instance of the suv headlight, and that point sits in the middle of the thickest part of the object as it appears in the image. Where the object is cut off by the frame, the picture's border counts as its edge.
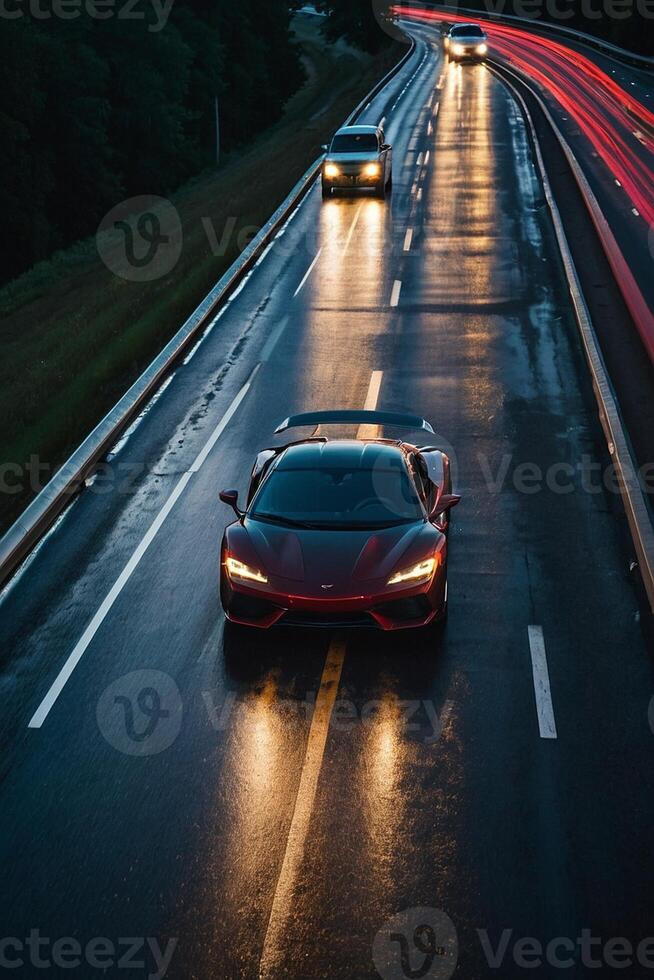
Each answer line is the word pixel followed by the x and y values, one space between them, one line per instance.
pixel 240 571
pixel 482 48
pixel 458 49
pixel 331 170
pixel 420 572
pixel 372 170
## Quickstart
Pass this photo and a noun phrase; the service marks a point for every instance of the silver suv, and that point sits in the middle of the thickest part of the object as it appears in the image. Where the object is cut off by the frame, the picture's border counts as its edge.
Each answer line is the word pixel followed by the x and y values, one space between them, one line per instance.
pixel 358 157
pixel 466 41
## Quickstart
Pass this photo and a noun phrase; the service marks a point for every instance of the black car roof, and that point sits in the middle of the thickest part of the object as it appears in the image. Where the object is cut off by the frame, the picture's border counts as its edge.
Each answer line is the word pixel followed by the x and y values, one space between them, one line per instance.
pixel 346 453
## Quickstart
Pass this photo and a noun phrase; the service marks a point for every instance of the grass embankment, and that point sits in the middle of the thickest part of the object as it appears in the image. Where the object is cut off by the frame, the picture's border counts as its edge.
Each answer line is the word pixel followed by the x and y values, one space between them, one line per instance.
pixel 74 336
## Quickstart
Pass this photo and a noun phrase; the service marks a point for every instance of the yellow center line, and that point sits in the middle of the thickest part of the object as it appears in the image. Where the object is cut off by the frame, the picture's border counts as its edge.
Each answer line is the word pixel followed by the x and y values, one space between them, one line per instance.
pixel 282 906
pixel 274 950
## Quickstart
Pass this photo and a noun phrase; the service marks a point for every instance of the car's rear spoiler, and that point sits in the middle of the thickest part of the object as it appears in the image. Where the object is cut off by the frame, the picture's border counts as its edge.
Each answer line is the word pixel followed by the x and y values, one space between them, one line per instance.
pixel 358 417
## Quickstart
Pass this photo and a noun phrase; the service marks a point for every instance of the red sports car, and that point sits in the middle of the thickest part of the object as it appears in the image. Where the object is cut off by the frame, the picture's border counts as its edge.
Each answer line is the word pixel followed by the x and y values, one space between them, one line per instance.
pixel 342 532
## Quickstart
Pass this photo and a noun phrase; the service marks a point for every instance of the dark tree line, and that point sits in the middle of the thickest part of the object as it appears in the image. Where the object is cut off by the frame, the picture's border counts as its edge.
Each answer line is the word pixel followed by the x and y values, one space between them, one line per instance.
pixel 96 110
pixel 365 24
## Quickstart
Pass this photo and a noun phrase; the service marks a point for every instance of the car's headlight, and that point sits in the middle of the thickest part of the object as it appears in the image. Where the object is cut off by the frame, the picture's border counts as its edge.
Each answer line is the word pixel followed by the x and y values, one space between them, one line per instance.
pixel 239 570
pixel 331 170
pixel 372 170
pixel 482 48
pixel 458 49
pixel 421 572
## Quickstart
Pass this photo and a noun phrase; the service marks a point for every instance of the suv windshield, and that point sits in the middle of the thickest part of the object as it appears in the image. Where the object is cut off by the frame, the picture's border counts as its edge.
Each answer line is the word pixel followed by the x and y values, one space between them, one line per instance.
pixel 355 143
pixel 338 498
pixel 469 31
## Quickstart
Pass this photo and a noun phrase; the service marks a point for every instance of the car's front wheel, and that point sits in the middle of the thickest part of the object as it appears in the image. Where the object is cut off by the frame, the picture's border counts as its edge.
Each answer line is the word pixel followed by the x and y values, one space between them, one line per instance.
pixel 380 192
pixel 326 191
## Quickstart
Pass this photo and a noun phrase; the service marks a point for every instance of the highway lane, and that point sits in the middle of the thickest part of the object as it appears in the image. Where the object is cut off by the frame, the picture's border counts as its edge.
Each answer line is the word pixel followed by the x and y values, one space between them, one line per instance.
pixel 489 822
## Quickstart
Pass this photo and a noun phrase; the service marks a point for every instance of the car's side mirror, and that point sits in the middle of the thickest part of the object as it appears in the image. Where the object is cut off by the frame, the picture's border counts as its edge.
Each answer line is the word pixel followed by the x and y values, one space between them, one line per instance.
pixel 324 147
pixel 446 502
pixel 231 497
pixel 386 146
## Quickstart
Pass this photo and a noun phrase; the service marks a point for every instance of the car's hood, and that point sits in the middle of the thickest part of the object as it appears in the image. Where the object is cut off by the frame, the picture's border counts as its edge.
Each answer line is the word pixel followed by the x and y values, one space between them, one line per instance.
pixel 340 559
pixel 470 39
pixel 370 157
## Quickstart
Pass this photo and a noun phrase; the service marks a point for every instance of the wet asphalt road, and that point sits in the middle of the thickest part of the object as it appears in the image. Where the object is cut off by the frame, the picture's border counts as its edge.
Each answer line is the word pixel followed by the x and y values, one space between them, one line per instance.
pixel 268 838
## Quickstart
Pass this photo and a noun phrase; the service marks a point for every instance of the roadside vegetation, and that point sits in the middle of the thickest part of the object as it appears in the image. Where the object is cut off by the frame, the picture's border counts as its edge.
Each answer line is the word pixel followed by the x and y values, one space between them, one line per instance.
pixel 74 336
pixel 95 110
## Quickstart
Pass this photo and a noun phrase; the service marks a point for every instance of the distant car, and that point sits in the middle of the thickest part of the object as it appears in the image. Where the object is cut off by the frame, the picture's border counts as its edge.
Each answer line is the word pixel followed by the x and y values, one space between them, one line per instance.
pixel 339 533
pixel 358 158
pixel 466 41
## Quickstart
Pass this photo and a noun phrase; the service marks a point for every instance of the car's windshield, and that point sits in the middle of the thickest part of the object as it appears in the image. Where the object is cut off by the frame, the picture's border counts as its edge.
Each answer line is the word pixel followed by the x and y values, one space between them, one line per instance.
pixel 470 30
pixel 355 143
pixel 339 497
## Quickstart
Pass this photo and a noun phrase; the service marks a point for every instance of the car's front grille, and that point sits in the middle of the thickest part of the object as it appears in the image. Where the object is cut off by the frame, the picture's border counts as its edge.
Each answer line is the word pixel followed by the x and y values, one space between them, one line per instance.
pixel 355 174
pixel 326 620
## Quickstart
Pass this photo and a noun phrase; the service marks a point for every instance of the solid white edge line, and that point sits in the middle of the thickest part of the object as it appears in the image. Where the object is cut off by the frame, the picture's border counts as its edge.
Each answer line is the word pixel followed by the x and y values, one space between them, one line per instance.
pixel 395 294
pixel 308 272
pixel 408 238
pixel 80 647
pixel 544 706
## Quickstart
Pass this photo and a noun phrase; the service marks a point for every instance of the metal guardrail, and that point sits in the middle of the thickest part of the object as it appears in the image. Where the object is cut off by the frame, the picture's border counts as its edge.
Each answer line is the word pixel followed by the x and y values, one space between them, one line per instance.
pixel 42 512
pixel 638 515
pixel 642 61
